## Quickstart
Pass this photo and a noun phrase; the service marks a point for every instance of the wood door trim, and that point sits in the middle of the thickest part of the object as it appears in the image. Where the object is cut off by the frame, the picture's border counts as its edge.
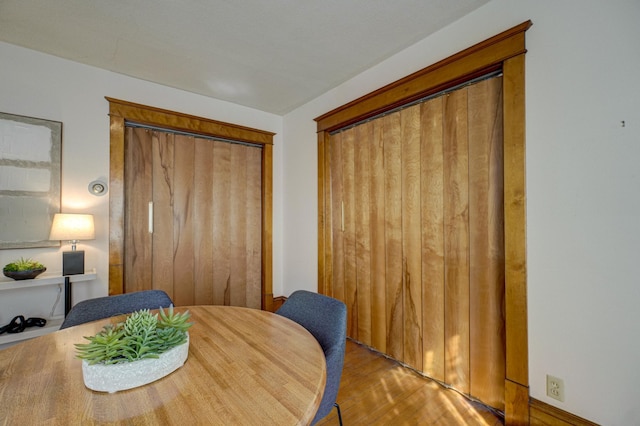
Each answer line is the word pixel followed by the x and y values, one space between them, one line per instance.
pixel 505 52
pixel 122 111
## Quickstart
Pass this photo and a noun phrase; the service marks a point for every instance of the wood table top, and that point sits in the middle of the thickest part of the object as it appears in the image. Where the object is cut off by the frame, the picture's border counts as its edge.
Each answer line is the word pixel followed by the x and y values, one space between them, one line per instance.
pixel 245 367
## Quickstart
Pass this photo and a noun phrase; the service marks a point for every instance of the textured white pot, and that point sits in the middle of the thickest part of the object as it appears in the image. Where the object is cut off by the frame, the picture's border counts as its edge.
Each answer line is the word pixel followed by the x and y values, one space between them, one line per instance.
pixel 117 377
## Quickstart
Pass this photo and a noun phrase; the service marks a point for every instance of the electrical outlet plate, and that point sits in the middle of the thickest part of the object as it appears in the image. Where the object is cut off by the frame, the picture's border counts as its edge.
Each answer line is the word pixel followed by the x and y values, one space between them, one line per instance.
pixel 555 388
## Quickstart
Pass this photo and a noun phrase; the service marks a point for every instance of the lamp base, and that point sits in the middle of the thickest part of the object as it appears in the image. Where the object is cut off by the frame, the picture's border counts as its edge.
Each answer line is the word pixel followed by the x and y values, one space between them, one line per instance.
pixel 73 262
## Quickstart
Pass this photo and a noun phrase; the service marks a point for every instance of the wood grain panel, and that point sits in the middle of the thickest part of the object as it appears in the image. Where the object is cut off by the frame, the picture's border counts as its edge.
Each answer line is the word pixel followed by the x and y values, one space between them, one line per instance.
pixel 456 218
pixel 203 222
pixel 325 255
pixel 486 253
pixel 183 223
pixel 516 397
pixel 221 223
pixel 337 219
pixel 411 236
pixel 393 235
pixel 116 204
pixel 364 135
pixel 164 183
pixel 378 246
pixel 138 186
pixel 267 227
pixel 515 220
pixel 433 294
pixel 238 231
pixel 348 197
pixel 254 227
pixel 325 221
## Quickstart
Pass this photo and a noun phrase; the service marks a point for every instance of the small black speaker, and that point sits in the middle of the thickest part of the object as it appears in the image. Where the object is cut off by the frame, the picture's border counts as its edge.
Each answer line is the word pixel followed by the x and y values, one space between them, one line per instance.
pixel 73 262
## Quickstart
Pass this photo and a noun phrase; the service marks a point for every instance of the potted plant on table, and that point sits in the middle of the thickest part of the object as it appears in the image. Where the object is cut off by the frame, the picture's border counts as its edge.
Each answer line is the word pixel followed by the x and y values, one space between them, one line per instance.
pixel 142 349
pixel 23 269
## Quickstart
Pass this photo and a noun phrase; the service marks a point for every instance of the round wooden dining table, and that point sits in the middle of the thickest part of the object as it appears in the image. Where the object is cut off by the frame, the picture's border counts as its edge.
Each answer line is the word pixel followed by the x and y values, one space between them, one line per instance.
pixel 245 367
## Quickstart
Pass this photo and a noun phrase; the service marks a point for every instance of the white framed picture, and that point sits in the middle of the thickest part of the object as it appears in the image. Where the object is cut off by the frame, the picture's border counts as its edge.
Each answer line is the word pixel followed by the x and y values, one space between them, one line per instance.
pixel 30 161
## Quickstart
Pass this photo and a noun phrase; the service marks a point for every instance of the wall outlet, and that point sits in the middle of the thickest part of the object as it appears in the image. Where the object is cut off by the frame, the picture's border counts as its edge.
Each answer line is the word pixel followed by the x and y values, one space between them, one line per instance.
pixel 555 388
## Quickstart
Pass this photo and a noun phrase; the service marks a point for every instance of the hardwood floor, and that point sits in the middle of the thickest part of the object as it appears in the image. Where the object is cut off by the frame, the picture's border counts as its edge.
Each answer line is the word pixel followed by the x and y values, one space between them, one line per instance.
pixel 376 390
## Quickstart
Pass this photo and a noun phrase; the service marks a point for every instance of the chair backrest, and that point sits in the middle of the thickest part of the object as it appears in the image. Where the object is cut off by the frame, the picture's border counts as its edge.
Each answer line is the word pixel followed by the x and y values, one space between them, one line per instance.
pixel 108 306
pixel 326 319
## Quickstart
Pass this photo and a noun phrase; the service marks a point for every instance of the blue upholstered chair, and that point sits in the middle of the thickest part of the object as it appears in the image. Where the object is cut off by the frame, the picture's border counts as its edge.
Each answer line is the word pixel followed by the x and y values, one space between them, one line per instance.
pixel 108 306
pixel 326 319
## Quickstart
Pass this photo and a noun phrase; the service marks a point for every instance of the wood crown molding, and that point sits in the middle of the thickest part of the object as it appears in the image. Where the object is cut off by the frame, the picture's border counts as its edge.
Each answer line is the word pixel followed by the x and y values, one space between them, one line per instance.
pixel 153 116
pixel 474 61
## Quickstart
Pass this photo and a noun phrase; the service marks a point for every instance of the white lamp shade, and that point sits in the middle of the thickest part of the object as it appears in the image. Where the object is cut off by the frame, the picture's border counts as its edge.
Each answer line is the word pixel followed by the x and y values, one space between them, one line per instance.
pixel 70 227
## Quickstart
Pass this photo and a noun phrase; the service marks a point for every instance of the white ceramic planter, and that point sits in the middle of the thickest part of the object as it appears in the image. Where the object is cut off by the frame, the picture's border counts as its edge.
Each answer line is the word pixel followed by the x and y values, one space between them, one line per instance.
pixel 117 377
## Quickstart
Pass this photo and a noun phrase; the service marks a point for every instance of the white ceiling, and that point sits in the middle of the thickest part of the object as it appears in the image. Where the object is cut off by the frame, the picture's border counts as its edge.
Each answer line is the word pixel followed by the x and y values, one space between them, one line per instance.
pixel 272 55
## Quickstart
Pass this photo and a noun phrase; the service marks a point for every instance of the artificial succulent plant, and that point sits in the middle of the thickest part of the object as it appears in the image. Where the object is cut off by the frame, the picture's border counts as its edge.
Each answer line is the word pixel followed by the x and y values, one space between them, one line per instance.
pixel 142 335
pixel 23 264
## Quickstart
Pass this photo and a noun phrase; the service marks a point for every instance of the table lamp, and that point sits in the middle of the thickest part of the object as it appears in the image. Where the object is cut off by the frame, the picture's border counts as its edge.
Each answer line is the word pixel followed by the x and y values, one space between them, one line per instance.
pixel 72 227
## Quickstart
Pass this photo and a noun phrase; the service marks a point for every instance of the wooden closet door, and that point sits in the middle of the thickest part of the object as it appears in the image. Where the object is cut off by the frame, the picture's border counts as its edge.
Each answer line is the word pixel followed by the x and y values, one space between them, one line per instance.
pixel 205 244
pixel 417 236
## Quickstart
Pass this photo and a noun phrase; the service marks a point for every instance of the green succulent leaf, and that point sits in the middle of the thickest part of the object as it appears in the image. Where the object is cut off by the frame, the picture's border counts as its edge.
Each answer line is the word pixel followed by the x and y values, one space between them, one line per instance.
pixel 169 319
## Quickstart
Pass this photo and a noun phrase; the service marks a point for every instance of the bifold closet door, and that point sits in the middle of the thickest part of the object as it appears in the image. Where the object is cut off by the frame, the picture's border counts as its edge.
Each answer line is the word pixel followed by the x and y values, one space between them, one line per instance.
pixel 193 218
pixel 417 244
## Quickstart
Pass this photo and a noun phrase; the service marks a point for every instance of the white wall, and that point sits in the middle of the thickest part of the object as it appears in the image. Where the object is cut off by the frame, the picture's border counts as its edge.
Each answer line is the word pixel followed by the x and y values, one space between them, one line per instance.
pixel 583 196
pixel 43 86
pixel 582 178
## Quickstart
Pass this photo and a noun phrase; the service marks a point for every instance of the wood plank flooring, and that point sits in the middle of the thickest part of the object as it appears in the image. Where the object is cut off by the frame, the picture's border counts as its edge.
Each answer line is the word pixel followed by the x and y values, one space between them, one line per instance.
pixel 376 390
